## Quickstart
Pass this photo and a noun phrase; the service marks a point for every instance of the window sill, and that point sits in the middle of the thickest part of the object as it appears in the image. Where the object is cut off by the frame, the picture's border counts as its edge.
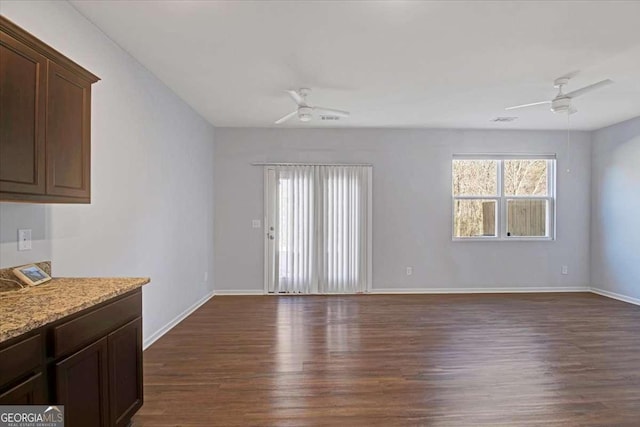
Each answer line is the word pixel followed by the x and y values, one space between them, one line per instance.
pixel 503 239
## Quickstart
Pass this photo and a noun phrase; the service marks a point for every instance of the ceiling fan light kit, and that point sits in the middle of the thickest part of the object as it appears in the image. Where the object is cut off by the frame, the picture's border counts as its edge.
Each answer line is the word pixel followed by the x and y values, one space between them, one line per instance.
pixel 305 111
pixel 561 104
pixel 304 114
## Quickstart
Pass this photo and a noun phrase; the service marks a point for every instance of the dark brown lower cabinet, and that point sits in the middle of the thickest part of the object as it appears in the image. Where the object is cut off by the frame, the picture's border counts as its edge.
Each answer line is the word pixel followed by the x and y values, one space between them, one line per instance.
pixel 82 386
pixel 90 362
pixel 29 392
pixel 125 368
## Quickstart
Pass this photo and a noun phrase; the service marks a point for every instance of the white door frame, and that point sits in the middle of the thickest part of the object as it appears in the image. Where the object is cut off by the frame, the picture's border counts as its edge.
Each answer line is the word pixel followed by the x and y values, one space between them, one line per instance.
pixel 269 236
pixel 270 215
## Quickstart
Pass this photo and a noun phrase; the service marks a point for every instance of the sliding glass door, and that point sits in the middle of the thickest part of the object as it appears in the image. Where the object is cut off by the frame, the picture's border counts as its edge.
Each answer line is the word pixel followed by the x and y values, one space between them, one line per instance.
pixel 318 221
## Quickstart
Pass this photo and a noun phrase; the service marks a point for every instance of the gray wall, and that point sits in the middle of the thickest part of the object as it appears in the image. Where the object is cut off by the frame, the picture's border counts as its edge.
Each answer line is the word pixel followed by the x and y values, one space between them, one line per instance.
pixel 14 216
pixel 615 231
pixel 411 206
pixel 152 198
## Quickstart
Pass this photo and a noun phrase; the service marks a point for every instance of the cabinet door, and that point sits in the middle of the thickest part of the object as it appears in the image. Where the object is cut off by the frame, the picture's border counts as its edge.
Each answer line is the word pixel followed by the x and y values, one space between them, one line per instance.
pixel 82 386
pixel 29 392
pixel 68 134
pixel 22 117
pixel 125 372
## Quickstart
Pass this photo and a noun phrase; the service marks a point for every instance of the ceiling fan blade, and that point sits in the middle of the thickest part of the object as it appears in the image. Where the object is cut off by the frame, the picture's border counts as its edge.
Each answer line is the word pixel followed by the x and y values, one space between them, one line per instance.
pixel 287 117
pixel 331 112
pixel 528 105
pixel 295 96
pixel 589 88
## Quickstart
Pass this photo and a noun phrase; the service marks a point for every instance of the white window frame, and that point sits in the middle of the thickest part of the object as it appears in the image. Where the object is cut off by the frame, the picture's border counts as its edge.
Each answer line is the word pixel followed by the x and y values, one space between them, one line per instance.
pixel 501 199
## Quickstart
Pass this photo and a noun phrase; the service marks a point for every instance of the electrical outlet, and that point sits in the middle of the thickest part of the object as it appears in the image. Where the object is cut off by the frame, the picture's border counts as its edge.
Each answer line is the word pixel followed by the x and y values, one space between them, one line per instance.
pixel 206 276
pixel 565 269
pixel 409 271
pixel 24 239
pixel 255 223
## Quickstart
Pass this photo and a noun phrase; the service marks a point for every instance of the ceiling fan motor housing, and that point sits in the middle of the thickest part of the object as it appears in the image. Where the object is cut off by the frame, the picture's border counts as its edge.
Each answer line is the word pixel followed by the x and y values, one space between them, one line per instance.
pixel 562 105
pixel 561 81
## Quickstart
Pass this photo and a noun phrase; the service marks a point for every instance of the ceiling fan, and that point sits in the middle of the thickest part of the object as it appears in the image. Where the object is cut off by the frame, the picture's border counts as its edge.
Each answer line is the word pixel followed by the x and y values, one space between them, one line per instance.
pixel 305 111
pixel 562 102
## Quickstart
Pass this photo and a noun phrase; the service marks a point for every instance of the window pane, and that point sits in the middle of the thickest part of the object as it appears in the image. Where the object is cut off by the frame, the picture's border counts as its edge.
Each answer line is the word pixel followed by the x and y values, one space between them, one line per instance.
pixel 474 218
pixel 525 177
pixel 527 218
pixel 475 177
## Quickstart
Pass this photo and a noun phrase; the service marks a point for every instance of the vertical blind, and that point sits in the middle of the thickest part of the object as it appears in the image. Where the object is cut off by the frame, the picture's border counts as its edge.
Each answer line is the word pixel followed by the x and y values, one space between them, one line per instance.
pixel 296 229
pixel 323 229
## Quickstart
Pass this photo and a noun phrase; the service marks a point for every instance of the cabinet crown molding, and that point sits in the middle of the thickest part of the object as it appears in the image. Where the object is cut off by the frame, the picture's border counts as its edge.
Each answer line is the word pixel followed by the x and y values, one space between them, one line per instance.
pixel 50 53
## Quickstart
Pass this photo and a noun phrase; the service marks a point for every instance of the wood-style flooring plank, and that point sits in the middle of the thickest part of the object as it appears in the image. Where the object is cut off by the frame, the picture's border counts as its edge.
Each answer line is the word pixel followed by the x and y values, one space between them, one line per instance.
pixel 386 360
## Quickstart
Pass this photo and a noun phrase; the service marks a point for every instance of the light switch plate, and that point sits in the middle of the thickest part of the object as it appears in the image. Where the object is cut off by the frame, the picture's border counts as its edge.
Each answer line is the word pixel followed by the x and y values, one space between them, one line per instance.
pixel 24 239
pixel 256 223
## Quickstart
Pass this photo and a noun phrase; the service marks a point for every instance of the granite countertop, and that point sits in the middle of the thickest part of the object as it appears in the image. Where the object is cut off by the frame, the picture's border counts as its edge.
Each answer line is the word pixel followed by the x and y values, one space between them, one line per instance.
pixel 24 310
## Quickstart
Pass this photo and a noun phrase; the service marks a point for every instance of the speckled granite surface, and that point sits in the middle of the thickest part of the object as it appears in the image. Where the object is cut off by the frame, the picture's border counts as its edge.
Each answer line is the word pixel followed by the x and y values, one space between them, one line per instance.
pixel 27 309
pixel 7 273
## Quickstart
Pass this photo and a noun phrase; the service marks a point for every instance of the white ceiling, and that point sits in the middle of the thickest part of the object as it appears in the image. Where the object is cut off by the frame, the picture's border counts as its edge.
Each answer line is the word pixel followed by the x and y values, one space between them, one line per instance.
pixel 392 64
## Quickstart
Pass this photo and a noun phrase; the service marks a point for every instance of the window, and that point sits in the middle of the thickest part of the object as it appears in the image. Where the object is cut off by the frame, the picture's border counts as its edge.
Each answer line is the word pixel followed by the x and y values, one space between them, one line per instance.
pixel 503 197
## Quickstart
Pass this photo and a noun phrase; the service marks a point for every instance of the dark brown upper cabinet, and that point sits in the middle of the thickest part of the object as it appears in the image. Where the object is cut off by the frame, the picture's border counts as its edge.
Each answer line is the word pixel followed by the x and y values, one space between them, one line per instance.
pixel 45 122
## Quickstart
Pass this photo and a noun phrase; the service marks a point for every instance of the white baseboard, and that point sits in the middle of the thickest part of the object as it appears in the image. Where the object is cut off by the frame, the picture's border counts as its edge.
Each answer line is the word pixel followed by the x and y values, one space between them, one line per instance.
pixel 179 318
pixel 238 292
pixel 476 290
pixel 431 290
pixel 614 295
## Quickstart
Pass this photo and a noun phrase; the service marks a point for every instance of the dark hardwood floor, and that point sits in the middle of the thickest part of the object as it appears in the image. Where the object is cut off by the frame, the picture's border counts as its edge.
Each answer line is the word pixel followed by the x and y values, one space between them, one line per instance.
pixel 385 360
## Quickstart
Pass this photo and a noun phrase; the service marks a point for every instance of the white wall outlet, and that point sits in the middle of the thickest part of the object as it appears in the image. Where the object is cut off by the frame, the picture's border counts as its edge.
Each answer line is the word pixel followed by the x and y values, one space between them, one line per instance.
pixel 24 239
pixel 565 269
pixel 255 223
pixel 409 271
pixel 206 276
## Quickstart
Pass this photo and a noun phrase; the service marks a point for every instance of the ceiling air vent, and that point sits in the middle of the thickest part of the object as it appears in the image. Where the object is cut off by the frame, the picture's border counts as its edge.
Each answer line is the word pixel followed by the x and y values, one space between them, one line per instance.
pixel 329 118
pixel 504 119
